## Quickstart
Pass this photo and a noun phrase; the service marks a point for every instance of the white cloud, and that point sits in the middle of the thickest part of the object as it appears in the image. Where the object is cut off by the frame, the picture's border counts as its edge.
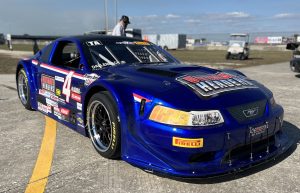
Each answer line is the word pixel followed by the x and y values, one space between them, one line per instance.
pixel 192 21
pixel 151 16
pixel 286 16
pixel 172 16
pixel 237 14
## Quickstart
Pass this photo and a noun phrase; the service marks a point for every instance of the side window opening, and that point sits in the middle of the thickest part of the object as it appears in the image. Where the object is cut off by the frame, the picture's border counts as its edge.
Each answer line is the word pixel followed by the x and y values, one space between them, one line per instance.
pixel 66 55
pixel 44 57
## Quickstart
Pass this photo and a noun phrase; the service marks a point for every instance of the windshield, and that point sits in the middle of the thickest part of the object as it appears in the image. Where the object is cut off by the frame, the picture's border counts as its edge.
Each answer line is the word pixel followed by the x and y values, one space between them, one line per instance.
pixel 236 43
pixel 110 53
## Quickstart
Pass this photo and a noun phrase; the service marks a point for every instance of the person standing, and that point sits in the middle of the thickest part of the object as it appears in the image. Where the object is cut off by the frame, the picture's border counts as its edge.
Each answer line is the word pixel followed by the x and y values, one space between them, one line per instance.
pixel 119 29
pixel 9 43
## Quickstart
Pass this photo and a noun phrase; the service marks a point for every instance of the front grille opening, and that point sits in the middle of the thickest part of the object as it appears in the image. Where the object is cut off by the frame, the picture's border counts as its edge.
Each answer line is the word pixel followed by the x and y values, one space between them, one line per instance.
pixel 202 157
pixel 243 152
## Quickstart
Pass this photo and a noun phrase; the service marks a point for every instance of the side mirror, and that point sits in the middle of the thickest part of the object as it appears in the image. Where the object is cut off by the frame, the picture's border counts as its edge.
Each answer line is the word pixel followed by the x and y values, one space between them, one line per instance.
pixel 292 46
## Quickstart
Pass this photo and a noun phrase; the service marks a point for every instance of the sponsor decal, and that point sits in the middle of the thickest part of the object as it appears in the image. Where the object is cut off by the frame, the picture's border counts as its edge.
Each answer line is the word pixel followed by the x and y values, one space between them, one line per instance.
pixel 76 97
pixel 187 142
pixel 44 93
pixel 79 120
pixel 35 62
pixel 258 130
pixel 65 111
pixel 138 98
pixel 43 108
pixel 209 85
pixel 53 97
pixel 57 114
pixel 49 109
pixel 51 103
pixel 99 66
pixel 57 92
pixel 94 43
pixel 59 79
pixel 142 43
pixel 250 112
pixel 75 89
pixel 79 106
pixel 90 78
pixel 48 83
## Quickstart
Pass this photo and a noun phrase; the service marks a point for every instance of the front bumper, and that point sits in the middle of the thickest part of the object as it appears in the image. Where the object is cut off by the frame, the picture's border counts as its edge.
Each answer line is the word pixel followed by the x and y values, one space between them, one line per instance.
pixel 226 148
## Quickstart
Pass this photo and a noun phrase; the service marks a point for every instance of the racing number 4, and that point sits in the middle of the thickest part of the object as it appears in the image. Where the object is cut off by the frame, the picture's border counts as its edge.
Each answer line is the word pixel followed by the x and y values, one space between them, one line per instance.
pixel 66 90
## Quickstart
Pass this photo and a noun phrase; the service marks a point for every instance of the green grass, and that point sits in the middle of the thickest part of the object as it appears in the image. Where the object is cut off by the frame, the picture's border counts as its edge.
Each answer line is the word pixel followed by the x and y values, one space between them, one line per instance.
pixel 20 47
pixel 218 56
pixel 210 57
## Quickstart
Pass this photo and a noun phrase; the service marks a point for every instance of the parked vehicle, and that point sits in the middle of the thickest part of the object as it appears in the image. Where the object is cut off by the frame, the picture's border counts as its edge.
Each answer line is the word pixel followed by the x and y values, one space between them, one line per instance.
pixel 238 47
pixel 167 41
pixel 136 101
pixel 295 61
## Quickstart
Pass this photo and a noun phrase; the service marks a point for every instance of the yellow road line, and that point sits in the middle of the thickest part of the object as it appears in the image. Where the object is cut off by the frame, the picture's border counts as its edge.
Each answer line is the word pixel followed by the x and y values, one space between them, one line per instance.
pixel 39 178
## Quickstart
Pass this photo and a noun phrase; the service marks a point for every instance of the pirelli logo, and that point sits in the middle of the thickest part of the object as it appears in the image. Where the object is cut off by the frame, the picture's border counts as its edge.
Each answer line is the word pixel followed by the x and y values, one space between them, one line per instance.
pixel 187 142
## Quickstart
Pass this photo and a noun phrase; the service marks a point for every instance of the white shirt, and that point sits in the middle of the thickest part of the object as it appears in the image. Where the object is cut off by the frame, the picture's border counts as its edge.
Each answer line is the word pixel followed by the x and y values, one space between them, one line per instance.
pixel 119 30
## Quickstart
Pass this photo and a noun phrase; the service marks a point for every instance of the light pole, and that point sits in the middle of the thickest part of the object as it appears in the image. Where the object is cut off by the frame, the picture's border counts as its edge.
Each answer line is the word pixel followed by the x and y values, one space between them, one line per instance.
pixel 106 16
pixel 116 3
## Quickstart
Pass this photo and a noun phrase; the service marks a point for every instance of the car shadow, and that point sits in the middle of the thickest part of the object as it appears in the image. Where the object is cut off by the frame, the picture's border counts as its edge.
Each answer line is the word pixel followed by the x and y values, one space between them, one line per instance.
pixel 293 133
pixel 255 58
pixel 297 75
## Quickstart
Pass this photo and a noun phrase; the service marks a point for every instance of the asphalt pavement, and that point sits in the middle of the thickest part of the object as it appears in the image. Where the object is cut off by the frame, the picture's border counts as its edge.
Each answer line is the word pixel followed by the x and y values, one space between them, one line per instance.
pixel 77 167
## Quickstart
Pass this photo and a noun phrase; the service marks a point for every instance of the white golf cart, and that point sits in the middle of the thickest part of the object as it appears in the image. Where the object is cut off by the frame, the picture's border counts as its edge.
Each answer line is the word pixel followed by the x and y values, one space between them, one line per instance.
pixel 238 47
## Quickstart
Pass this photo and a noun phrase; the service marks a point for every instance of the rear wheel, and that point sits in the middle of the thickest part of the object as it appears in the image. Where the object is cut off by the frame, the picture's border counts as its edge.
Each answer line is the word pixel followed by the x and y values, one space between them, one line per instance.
pixel 23 89
pixel 103 125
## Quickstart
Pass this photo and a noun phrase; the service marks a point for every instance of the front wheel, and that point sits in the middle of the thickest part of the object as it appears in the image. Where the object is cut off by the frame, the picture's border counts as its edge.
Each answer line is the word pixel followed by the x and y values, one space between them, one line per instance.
pixel 103 125
pixel 23 89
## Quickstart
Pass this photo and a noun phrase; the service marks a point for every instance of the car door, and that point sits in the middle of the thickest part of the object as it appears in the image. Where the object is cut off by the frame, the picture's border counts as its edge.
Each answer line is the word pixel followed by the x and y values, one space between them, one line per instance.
pixel 61 81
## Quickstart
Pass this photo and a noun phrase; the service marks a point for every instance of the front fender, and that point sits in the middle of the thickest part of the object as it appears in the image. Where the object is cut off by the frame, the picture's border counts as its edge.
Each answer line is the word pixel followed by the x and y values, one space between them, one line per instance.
pixel 30 73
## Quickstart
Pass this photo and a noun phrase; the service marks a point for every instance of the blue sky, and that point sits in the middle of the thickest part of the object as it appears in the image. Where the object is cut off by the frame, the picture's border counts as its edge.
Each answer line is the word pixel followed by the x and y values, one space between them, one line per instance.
pixel 65 17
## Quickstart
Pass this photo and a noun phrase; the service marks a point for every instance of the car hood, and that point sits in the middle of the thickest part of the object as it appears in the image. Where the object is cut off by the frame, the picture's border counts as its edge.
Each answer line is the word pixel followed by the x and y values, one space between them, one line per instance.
pixel 191 86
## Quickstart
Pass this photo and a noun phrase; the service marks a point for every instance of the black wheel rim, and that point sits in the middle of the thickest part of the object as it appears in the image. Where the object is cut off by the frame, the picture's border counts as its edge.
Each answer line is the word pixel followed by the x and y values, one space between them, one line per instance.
pixel 99 126
pixel 23 88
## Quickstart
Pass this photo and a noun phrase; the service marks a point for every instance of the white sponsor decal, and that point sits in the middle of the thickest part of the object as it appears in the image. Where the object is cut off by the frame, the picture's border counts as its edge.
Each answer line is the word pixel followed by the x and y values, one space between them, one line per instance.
pixel 59 79
pixel 90 78
pixel 44 93
pixel 49 109
pixel 43 108
pixel 94 43
pixel 79 106
pixel 75 89
pixel 51 102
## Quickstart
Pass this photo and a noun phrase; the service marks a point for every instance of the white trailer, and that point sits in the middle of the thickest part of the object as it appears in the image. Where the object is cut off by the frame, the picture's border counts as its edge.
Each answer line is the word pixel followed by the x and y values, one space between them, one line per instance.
pixel 167 41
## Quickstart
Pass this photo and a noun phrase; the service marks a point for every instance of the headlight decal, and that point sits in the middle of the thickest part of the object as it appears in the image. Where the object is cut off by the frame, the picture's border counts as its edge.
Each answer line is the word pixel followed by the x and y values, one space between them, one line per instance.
pixel 171 116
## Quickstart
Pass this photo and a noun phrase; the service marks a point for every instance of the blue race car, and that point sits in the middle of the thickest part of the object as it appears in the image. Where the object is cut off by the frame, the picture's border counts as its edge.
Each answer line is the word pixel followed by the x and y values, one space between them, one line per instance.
pixel 136 101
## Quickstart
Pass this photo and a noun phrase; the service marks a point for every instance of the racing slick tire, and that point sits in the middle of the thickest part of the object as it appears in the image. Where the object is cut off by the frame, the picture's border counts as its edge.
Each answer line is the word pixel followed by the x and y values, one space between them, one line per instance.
pixel 23 89
pixel 103 125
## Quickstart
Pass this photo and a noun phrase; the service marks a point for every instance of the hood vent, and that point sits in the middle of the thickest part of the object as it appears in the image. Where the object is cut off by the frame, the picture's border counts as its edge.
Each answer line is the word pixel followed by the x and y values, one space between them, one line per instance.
pixel 159 72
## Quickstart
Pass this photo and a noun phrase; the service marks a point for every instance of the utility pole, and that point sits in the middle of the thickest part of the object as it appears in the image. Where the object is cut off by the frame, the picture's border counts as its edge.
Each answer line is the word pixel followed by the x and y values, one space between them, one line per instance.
pixel 106 16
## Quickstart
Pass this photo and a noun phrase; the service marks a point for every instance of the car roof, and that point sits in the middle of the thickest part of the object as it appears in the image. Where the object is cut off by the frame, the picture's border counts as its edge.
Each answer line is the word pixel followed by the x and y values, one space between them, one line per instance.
pixel 85 38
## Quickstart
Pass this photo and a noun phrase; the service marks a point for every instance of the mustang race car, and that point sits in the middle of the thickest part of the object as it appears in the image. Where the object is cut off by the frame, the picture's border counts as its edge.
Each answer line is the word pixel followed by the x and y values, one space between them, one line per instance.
pixel 136 101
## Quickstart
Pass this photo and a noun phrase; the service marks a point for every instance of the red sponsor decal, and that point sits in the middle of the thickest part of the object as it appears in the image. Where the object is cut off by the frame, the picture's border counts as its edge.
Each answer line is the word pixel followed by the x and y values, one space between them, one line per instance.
pixel 48 83
pixel 64 111
pixel 197 79
pixel 76 97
